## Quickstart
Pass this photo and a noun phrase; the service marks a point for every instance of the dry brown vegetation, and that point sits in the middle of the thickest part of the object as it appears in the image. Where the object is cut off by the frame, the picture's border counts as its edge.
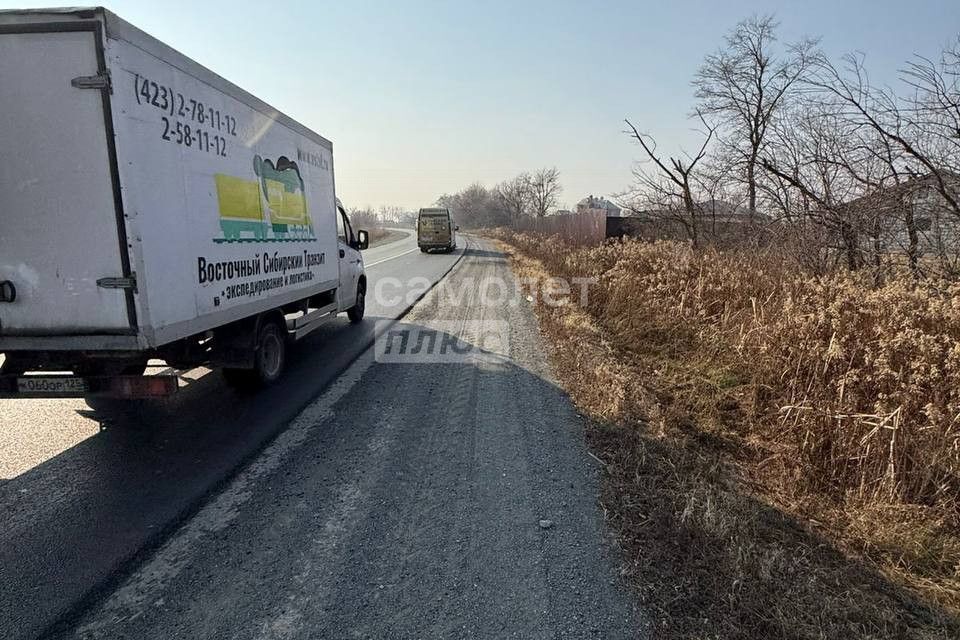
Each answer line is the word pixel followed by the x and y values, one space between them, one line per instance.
pixel 781 449
pixel 366 219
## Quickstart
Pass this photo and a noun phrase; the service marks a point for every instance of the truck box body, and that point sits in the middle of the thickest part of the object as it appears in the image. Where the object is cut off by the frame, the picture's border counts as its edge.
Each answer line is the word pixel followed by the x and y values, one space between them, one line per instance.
pixel 435 229
pixel 143 198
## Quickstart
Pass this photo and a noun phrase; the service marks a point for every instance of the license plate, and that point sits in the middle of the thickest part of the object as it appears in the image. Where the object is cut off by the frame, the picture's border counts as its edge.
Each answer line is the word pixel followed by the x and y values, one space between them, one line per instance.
pixel 51 386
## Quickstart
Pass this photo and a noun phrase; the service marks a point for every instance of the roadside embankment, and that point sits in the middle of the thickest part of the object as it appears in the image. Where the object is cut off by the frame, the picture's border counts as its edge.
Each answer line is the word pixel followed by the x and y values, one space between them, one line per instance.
pixel 781 451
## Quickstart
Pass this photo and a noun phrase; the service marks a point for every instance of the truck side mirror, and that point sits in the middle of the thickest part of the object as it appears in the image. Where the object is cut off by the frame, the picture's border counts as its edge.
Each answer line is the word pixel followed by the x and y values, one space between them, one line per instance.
pixel 8 292
pixel 363 239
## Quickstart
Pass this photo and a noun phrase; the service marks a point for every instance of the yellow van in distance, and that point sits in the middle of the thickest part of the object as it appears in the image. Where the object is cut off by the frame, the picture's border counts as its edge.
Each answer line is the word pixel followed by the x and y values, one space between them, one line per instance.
pixel 436 230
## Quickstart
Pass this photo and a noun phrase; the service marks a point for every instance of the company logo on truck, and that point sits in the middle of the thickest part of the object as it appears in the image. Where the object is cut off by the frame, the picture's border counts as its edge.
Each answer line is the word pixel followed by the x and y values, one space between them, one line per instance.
pixel 272 208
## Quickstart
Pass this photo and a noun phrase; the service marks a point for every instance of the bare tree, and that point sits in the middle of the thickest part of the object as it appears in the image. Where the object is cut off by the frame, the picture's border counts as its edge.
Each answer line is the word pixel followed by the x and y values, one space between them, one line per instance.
pixel 668 190
pixel 915 137
pixel 923 125
pixel 744 84
pixel 544 190
pixel 475 206
pixel 840 175
pixel 365 218
pixel 389 213
pixel 515 195
pixel 935 108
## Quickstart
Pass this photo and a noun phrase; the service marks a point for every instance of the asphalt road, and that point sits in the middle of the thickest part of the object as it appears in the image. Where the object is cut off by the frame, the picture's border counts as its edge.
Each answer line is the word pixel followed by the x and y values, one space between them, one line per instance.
pixel 395 491
pixel 83 494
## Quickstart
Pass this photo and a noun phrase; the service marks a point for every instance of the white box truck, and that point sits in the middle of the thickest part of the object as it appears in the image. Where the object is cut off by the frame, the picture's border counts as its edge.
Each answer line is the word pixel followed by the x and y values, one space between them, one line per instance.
pixel 151 209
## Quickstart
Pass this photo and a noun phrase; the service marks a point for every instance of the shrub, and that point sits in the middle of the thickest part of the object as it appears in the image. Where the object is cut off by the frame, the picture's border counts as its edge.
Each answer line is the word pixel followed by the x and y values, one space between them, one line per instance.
pixel 848 389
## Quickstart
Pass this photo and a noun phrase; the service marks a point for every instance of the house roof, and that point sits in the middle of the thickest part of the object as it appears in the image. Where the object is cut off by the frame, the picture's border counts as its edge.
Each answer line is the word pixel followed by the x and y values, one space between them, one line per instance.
pixel 593 202
pixel 892 196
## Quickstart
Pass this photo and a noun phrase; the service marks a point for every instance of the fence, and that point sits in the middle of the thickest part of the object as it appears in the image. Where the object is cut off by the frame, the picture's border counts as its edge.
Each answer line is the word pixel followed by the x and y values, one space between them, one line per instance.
pixel 575 228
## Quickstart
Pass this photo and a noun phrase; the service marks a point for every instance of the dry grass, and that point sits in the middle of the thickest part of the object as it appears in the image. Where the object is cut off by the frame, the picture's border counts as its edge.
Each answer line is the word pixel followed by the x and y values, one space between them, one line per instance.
pixel 781 450
pixel 379 235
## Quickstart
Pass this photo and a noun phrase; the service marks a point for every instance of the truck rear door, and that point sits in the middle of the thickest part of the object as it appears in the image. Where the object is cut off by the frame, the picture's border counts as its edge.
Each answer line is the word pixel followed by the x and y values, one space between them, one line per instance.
pixel 434 229
pixel 62 238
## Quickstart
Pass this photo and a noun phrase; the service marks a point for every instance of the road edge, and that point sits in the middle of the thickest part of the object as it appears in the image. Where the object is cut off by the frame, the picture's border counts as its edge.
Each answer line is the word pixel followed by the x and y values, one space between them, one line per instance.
pixel 124 568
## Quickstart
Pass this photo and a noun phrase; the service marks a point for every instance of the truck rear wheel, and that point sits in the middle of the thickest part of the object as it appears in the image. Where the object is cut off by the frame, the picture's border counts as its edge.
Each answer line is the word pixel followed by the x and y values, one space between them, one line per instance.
pixel 268 361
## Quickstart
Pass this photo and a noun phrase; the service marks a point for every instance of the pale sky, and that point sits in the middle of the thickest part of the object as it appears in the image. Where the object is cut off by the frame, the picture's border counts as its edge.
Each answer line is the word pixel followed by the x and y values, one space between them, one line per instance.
pixel 422 98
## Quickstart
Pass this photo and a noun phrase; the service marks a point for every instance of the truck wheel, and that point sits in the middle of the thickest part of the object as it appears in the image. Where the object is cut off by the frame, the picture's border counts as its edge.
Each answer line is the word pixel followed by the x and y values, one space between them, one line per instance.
pixel 355 313
pixel 268 362
pixel 423 249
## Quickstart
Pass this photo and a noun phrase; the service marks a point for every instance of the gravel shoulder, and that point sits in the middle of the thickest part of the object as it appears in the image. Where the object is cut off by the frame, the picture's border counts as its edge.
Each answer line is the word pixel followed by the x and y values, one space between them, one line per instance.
pixel 410 499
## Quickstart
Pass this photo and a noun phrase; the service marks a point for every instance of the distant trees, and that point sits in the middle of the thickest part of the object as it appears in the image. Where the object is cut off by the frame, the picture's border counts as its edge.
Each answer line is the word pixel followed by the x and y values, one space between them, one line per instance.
pixel 872 173
pixel 476 206
pixel 544 191
pixel 365 218
pixel 385 215
pixel 527 194
pixel 391 213
pixel 515 195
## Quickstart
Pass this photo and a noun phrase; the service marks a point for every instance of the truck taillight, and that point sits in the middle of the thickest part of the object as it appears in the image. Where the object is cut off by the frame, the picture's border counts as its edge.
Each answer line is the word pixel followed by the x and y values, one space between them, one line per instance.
pixel 143 386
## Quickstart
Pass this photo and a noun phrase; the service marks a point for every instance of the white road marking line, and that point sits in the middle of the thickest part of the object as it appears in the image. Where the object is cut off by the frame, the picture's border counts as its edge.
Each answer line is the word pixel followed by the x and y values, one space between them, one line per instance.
pixel 147 584
pixel 373 264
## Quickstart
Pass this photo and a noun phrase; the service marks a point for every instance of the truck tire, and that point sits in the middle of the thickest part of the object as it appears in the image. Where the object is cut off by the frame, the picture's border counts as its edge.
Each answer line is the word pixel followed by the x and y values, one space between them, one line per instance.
pixel 268 361
pixel 355 313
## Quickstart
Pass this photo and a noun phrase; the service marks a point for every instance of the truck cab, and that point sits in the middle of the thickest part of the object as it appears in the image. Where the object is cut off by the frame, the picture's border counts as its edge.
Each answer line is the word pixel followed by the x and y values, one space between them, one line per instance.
pixel 353 281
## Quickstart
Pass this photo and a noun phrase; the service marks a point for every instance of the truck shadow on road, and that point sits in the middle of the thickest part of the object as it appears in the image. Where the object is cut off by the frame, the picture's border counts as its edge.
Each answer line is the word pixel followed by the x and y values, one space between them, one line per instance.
pixel 70 520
